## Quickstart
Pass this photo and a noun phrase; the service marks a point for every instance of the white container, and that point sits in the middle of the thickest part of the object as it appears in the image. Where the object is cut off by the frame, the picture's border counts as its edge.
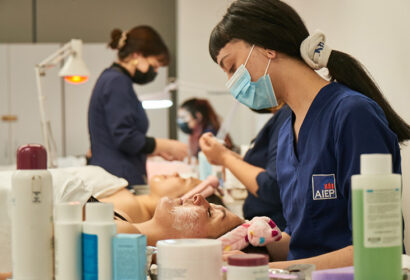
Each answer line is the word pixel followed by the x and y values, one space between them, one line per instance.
pixel 248 267
pixel 98 230
pixel 68 226
pixel 189 259
pixel 5 232
pixel 32 216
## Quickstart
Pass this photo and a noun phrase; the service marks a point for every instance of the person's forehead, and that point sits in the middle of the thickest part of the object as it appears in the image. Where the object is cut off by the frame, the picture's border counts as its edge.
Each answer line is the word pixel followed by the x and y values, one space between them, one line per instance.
pixel 231 48
pixel 182 113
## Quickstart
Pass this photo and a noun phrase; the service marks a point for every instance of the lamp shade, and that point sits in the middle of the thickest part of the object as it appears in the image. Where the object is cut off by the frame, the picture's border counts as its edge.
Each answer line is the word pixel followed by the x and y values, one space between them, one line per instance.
pixel 74 70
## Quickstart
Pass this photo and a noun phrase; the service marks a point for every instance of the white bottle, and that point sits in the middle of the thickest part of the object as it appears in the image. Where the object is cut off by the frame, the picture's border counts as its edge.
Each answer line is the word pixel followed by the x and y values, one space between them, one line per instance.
pixel 32 216
pixel 68 226
pixel 98 230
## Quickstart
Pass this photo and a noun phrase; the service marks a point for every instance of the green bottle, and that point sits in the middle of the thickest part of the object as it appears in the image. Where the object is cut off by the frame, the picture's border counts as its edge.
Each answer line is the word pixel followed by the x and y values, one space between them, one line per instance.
pixel 377 219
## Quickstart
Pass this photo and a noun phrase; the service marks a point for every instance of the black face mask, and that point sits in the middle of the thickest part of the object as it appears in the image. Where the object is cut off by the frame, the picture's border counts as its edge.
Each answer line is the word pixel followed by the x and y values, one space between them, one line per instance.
pixel 144 78
pixel 184 127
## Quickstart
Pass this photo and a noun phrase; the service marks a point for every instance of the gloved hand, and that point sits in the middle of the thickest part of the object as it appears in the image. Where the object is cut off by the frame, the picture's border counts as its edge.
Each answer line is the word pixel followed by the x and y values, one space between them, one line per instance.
pixel 213 149
pixel 257 232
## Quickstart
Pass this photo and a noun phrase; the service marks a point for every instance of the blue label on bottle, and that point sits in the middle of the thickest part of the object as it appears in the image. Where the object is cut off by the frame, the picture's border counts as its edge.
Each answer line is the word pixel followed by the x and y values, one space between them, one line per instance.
pixel 90 257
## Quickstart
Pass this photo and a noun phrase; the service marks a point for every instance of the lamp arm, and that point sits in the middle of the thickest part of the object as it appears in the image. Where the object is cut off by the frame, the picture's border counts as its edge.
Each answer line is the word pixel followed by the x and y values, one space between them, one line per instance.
pixel 56 57
pixel 48 139
pixel 72 47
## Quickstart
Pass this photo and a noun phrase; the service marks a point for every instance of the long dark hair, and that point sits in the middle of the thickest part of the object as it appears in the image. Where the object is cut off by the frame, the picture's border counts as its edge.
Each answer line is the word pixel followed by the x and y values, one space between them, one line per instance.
pixel 202 106
pixel 209 117
pixel 143 39
pixel 274 25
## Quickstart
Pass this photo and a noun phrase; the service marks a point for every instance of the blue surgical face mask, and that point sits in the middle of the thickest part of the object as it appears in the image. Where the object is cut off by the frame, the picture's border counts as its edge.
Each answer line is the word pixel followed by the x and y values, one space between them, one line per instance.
pixel 256 95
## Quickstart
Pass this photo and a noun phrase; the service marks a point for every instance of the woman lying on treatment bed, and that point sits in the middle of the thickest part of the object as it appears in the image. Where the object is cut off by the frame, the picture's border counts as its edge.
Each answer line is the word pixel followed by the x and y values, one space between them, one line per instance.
pixel 191 218
pixel 140 208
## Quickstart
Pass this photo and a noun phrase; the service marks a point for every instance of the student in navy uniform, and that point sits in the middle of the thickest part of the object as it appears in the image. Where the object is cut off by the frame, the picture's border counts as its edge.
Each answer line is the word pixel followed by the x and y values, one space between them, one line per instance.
pixel 269 56
pixel 196 116
pixel 260 178
pixel 117 121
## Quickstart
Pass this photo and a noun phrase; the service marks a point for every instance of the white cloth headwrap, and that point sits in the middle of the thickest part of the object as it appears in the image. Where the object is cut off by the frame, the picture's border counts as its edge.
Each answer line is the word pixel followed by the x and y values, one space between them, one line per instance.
pixel 121 42
pixel 314 50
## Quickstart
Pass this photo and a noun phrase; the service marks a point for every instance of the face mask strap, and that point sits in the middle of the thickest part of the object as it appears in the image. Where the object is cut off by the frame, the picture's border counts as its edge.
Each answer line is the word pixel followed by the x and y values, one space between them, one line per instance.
pixel 249 55
pixel 267 67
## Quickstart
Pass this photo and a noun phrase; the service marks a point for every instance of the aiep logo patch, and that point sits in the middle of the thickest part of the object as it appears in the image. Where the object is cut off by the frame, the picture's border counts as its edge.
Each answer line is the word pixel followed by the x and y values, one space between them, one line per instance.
pixel 324 186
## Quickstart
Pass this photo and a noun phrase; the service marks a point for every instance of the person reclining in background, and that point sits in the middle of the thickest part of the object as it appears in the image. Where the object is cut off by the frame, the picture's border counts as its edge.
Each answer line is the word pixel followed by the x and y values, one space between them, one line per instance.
pixel 93 183
pixel 192 218
pixel 140 208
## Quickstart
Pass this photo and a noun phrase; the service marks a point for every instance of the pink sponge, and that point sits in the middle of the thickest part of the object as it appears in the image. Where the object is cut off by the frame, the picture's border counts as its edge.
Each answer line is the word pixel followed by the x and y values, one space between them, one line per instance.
pixel 257 232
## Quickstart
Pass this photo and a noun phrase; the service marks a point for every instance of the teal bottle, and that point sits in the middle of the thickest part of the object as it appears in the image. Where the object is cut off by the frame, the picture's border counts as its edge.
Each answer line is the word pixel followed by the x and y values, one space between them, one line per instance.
pixel 377 219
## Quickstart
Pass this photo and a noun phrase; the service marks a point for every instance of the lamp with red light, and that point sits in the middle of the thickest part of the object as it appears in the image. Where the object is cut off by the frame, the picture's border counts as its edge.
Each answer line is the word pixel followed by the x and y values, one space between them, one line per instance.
pixel 74 71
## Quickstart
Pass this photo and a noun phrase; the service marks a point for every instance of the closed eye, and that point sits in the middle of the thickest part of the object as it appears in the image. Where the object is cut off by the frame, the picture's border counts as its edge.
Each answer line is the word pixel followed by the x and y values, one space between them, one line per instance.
pixel 209 212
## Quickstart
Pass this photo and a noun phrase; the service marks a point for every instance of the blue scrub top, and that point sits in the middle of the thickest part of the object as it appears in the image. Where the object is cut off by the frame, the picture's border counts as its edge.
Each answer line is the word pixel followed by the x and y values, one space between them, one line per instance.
pixel 117 125
pixel 263 154
pixel 340 125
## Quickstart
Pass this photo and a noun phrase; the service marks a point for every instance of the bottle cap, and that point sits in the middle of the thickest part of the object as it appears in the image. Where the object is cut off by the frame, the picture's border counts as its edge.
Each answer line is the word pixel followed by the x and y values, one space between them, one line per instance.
pixel 248 260
pixel 68 212
pixel 31 156
pixel 99 212
pixel 375 164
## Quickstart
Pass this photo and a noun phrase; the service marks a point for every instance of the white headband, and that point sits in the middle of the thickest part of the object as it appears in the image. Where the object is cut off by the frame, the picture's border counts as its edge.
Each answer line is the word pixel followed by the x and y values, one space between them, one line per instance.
pixel 314 50
pixel 121 42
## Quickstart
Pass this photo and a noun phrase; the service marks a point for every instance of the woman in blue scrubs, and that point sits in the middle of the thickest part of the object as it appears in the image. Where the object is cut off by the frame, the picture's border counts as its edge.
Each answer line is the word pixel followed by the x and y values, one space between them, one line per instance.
pixel 269 57
pixel 117 122
pixel 260 178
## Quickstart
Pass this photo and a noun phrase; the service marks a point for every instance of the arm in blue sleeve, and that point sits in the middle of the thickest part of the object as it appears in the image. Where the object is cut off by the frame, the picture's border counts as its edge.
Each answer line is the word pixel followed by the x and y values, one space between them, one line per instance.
pixel 360 128
pixel 122 116
pixel 268 188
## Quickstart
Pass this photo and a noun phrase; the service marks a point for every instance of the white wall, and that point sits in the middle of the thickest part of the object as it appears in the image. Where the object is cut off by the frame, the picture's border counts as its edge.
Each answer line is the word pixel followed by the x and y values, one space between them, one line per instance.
pixel 18 96
pixel 375 32
pixel 5 99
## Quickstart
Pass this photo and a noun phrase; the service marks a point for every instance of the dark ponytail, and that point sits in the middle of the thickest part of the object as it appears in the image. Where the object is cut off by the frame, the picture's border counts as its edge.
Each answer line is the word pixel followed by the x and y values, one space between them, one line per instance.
pixel 142 39
pixel 274 25
pixel 115 38
pixel 347 70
